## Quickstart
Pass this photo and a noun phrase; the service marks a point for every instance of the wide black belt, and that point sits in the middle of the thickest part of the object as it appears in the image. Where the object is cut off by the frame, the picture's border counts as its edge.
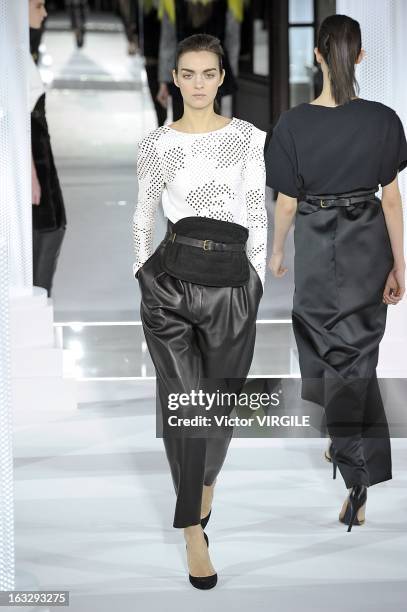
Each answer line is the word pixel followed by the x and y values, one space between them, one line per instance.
pixel 206 251
pixel 206 245
pixel 345 199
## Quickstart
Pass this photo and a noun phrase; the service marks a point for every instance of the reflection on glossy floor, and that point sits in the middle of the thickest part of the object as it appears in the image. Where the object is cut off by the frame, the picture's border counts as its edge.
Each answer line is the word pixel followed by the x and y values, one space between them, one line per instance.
pixel 94 497
pixel 106 350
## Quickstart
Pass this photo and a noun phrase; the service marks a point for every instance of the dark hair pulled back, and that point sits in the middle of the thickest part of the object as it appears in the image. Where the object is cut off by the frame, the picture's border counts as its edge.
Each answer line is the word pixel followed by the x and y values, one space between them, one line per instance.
pixel 339 42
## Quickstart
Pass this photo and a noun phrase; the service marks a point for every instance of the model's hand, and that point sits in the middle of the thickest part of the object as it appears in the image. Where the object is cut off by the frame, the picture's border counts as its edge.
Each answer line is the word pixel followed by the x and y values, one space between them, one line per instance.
pixel 275 264
pixel 162 96
pixel 35 187
pixel 395 286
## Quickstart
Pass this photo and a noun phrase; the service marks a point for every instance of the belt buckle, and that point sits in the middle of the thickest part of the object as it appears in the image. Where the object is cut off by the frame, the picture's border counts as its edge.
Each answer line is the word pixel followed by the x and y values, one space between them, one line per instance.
pixel 173 237
pixel 205 248
pixel 322 204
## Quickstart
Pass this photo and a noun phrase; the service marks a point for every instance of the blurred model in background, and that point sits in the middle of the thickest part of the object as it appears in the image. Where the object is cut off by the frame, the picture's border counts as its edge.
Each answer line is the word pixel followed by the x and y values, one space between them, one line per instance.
pixel 78 10
pixel 48 211
pixel 128 10
pixel 149 29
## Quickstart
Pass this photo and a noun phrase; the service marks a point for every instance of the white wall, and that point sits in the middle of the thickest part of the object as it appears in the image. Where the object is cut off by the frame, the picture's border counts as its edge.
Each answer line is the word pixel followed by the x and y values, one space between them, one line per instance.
pixel 15 240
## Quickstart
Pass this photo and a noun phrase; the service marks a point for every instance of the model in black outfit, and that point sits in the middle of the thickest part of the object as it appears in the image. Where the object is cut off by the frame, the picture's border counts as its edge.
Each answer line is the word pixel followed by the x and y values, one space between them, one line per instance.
pixel 128 10
pixel 78 11
pixel 48 210
pixel 149 27
pixel 326 159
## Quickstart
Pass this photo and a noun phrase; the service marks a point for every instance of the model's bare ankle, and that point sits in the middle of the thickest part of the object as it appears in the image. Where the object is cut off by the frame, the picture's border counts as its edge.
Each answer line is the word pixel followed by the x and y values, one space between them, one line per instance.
pixel 198 558
pixel 193 532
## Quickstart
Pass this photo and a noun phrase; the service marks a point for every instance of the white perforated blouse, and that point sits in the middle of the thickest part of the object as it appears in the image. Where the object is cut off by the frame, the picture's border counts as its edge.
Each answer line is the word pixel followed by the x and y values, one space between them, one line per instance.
pixel 219 174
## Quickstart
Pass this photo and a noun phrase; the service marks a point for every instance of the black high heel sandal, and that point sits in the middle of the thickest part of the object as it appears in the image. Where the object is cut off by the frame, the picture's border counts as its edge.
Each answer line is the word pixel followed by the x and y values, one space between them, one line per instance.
pixel 331 459
pixel 203 582
pixel 205 519
pixel 357 498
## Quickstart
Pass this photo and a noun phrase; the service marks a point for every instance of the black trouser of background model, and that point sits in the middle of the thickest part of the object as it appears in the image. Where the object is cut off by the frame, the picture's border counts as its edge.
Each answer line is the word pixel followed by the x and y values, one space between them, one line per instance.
pixel 127 10
pixel 78 12
pixel 48 217
pixel 151 66
pixel 46 250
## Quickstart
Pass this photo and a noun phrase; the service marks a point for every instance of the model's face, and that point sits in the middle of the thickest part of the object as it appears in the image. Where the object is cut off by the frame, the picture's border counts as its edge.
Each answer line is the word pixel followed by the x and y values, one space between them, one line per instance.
pixel 198 78
pixel 37 13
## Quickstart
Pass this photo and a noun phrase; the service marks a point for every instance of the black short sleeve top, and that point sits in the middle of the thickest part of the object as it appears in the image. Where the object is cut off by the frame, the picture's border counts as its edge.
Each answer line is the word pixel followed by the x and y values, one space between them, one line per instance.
pixel 328 150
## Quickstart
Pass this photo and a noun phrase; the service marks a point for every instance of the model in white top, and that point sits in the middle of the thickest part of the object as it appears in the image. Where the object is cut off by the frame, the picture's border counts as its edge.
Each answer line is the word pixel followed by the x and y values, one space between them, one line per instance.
pixel 218 174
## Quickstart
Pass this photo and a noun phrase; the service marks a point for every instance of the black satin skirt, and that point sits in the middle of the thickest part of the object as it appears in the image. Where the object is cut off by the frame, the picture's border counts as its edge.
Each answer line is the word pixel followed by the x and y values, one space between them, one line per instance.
pixel 200 338
pixel 342 260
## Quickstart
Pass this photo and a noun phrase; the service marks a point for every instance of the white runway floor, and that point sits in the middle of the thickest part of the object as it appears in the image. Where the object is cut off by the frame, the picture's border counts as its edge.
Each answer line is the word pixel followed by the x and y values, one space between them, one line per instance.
pixel 94 498
pixel 94 511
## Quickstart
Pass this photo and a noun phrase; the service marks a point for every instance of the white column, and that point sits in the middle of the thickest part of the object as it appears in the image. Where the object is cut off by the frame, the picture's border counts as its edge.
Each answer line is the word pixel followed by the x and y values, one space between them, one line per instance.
pixel 7 570
pixel 14 56
pixel 381 76
pixel 36 362
pixel 31 365
pixel 9 189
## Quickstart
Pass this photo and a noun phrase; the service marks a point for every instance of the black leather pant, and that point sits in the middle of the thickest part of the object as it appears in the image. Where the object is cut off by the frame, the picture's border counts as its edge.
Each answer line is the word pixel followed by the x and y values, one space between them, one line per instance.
pixel 196 335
